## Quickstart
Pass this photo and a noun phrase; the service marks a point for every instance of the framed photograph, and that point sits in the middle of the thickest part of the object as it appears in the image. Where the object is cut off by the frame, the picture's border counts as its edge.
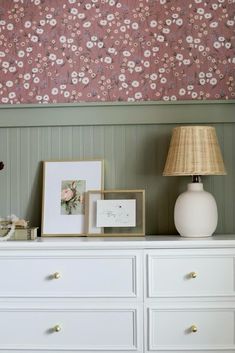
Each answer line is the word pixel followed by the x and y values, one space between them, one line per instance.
pixel 64 186
pixel 115 213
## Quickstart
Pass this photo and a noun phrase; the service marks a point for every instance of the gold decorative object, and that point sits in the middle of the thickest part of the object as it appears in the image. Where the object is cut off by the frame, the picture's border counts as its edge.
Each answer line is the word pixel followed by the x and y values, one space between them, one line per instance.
pixel 194 328
pixel 193 274
pixel 57 328
pixel 56 275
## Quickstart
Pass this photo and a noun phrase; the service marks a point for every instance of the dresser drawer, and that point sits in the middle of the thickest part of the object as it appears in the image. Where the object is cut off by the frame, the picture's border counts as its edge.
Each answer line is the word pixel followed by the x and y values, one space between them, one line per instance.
pixel 190 273
pixel 81 329
pixel 188 330
pixel 89 274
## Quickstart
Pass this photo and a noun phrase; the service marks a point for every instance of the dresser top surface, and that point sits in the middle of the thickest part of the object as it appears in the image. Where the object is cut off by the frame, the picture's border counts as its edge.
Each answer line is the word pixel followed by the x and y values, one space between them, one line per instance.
pixel 147 242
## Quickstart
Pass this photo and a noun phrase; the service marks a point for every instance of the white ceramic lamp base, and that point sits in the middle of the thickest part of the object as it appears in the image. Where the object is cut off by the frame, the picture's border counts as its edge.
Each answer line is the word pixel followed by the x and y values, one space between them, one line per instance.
pixel 195 212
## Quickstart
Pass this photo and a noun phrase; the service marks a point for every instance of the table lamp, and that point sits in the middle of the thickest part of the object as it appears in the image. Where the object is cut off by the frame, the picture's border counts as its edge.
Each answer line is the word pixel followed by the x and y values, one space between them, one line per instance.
pixel 195 151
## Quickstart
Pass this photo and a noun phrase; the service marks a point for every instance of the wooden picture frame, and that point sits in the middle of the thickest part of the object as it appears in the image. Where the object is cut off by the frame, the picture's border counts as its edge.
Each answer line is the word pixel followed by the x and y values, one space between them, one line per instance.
pixel 64 186
pixel 124 199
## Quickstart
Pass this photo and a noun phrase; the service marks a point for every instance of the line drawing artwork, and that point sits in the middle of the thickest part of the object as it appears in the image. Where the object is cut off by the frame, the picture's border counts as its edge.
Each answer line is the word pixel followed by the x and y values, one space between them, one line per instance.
pixel 116 213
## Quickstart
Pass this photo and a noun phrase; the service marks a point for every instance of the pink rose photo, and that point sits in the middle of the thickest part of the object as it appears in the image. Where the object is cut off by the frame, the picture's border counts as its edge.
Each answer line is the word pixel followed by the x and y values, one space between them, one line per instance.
pixel 72 197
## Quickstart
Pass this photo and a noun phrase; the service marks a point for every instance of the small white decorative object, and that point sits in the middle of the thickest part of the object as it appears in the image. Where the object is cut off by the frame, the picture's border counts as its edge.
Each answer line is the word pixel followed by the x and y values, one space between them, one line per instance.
pixel 195 151
pixel 195 212
pixel 9 234
pixel 10 223
pixel 14 228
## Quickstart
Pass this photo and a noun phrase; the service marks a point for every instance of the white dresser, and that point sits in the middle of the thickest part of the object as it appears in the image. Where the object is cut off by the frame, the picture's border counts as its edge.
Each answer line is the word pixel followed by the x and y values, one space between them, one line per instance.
pixel 155 294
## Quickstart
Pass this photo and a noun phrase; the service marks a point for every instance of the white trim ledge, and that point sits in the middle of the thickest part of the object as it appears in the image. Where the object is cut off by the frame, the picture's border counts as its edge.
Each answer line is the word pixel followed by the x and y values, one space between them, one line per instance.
pixel 115 243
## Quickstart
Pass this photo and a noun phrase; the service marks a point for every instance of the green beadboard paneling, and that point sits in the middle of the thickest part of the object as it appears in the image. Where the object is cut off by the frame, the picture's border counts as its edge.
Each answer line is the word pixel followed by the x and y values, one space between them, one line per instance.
pixel 117 113
pixel 134 157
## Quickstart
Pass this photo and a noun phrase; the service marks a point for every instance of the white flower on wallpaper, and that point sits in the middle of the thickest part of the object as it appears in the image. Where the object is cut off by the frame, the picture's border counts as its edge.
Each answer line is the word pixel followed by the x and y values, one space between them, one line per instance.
pixel 108 50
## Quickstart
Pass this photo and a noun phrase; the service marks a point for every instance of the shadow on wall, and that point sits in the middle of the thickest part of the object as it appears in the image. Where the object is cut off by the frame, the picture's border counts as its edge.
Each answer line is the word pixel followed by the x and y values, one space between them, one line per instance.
pixel 161 192
pixel 34 209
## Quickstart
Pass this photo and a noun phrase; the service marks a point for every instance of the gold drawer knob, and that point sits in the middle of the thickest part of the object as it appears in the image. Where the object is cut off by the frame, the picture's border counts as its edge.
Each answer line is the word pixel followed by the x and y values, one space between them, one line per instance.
pixel 56 275
pixel 194 328
pixel 57 328
pixel 193 274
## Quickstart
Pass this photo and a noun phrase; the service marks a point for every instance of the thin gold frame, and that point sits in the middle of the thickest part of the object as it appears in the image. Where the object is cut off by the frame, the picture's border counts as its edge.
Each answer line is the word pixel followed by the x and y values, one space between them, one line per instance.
pixel 43 193
pixel 141 214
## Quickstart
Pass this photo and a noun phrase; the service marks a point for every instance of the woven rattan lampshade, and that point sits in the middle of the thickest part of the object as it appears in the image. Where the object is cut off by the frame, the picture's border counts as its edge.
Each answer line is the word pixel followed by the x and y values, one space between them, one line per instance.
pixel 194 150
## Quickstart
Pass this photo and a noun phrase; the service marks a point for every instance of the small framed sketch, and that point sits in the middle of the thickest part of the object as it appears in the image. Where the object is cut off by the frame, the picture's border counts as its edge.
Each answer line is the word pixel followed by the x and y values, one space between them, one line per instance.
pixel 64 186
pixel 115 213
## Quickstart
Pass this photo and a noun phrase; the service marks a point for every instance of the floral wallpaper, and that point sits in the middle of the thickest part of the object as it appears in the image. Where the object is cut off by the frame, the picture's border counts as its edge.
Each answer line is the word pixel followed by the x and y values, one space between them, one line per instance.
pixel 54 51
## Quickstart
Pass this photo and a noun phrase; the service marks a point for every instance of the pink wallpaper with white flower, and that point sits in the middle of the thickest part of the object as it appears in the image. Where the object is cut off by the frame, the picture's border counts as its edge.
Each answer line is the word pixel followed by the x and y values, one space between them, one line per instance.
pixel 54 51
